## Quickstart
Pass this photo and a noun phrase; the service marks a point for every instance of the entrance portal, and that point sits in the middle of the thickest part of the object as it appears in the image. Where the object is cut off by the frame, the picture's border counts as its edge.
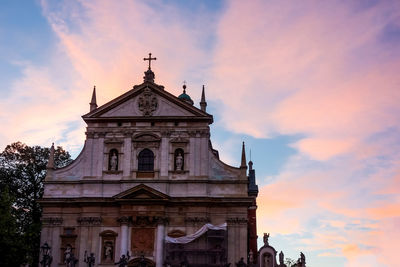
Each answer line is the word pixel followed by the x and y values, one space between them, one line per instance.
pixel 141 262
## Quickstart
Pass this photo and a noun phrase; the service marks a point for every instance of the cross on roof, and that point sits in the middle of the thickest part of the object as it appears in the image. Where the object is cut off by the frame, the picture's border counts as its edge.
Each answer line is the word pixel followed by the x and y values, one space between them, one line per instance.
pixel 149 59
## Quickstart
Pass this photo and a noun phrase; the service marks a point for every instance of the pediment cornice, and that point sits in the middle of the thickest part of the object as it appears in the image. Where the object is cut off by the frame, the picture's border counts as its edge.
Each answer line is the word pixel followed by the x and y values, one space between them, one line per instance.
pixel 138 91
pixel 142 192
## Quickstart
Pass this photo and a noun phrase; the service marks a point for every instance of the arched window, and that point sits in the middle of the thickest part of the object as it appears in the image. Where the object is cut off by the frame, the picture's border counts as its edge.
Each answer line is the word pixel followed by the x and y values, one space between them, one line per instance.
pixel 146 160
pixel 179 160
pixel 113 160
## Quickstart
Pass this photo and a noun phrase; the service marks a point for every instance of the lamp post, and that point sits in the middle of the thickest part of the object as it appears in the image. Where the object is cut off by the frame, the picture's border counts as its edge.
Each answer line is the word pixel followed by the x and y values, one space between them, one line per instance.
pixel 46 257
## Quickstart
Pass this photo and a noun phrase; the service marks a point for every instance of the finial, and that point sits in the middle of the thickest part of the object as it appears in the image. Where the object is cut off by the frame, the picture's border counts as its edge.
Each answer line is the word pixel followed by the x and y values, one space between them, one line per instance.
pixel 93 102
pixel 149 74
pixel 149 59
pixel 243 162
pixel 184 87
pixel 203 103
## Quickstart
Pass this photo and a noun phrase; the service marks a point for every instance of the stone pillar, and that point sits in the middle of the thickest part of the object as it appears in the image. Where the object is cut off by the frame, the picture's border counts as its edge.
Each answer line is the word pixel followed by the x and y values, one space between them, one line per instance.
pixel 124 234
pixel 160 244
pixel 164 157
pixel 126 167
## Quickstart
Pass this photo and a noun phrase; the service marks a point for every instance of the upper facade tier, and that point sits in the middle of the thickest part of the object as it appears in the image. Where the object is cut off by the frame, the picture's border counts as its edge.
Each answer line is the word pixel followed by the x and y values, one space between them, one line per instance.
pixel 147 136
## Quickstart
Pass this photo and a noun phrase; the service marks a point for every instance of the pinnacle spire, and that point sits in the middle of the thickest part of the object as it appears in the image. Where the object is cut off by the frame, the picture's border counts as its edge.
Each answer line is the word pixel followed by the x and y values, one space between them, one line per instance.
pixel 243 162
pixel 50 163
pixel 93 102
pixel 203 103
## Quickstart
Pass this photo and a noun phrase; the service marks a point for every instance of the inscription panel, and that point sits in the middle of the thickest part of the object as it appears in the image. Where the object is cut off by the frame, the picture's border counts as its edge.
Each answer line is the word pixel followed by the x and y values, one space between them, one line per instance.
pixel 142 241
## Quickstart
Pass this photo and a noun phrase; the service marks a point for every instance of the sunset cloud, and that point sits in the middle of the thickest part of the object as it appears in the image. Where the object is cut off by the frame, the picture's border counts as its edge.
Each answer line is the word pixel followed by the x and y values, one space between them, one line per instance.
pixel 324 73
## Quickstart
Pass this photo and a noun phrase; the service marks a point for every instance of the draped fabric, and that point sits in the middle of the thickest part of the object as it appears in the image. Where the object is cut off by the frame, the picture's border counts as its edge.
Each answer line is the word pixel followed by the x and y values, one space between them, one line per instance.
pixel 189 238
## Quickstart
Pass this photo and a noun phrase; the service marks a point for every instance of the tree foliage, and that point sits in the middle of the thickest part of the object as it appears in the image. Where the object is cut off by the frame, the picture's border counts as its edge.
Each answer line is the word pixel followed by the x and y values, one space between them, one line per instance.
pixel 22 172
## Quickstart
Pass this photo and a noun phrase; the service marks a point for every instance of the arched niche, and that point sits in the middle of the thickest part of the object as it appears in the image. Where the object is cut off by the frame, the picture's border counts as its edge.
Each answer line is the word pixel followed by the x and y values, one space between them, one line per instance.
pixel 108 238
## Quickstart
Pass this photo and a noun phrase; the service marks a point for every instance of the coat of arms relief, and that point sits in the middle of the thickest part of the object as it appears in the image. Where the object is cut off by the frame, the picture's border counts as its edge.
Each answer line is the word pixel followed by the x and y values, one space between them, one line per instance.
pixel 147 102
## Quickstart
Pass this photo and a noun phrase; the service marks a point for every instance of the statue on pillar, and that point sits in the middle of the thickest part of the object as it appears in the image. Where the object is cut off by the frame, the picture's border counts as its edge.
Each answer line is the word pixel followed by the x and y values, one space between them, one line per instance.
pixel 142 262
pixel 241 263
pixel 123 261
pixel 266 237
pixel 281 259
pixel 71 261
pixel 302 259
pixel 89 259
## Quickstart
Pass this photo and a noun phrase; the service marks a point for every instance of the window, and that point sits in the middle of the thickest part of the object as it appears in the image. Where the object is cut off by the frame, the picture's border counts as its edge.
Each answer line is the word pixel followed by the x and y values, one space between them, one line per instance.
pixel 146 160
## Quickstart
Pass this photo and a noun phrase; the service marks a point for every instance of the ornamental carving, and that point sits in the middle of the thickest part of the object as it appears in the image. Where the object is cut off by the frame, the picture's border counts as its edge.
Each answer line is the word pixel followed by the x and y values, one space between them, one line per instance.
pixel 237 220
pixel 124 219
pixel 52 221
pixel 147 102
pixel 89 220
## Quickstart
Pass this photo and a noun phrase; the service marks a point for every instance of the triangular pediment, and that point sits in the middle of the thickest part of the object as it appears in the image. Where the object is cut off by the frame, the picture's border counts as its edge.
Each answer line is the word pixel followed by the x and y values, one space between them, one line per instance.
pixel 146 101
pixel 141 192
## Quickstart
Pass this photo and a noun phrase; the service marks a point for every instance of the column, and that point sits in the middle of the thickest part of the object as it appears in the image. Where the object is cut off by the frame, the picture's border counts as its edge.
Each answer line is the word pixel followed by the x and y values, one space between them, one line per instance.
pixel 124 235
pixel 160 244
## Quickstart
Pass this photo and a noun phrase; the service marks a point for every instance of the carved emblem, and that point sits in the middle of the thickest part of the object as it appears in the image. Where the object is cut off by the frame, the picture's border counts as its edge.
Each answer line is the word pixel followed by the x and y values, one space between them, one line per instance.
pixel 147 102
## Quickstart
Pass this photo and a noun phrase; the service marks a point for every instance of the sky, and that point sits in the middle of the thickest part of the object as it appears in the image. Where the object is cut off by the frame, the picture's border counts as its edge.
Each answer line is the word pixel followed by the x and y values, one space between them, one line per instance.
pixel 312 87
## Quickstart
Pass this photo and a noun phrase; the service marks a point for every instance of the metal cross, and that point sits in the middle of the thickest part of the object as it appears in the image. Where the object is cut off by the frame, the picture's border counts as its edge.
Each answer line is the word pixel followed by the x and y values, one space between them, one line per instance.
pixel 150 59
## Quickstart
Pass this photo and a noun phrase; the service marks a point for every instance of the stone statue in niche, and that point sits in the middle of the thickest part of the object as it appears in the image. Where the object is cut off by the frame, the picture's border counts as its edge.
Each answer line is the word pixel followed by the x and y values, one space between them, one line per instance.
pixel 108 251
pixel 67 253
pixel 179 162
pixel 69 258
pixel 113 160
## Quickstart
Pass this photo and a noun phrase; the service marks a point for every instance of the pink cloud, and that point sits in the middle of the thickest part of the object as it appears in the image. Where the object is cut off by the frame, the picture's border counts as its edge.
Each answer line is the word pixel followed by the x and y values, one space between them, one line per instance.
pixel 312 69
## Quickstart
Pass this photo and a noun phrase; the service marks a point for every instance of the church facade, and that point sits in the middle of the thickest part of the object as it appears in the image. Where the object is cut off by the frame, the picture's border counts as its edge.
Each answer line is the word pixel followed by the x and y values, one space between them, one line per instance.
pixel 148 188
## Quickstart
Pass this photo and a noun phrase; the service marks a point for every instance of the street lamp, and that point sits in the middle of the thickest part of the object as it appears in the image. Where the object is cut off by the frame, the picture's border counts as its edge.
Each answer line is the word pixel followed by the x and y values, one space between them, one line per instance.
pixel 47 259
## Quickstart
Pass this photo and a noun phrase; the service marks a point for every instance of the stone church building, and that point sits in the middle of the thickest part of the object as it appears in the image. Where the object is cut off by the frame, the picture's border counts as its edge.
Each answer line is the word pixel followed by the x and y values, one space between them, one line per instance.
pixel 148 187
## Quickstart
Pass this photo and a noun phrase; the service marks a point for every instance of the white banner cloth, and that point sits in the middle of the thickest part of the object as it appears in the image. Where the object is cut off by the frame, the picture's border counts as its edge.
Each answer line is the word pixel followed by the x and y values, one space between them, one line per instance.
pixel 189 238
